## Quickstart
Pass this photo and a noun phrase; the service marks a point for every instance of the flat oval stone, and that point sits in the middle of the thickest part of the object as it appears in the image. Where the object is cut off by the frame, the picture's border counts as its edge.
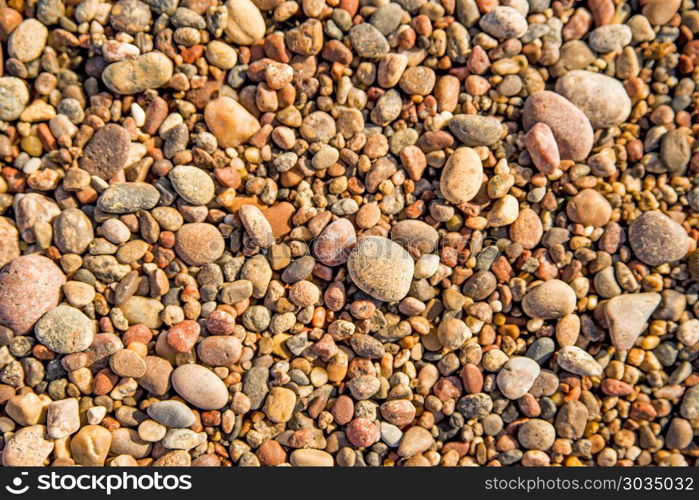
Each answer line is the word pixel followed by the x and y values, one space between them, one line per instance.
pixel 64 330
pixel 550 300
pixel 171 414
pixel 334 244
pixel 193 184
pixel 131 76
pixel 200 387
pixel 381 268
pixel 199 243
pixel 569 125
pixel 245 22
pixel 72 231
pixel 30 286
pixel 107 152
pixel 656 239
pixel 602 98
pixel 14 97
pixel 230 122
pixel 220 350
pixel 416 236
pixel 128 197
pixel 462 176
pixel 476 130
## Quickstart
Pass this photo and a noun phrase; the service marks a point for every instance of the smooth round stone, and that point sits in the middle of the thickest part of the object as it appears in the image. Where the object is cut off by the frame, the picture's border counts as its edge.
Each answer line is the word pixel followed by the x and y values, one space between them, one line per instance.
pixel 679 434
pixel 193 184
pixel 368 42
pixel 416 440
pixel 589 208
pixel 9 241
pixel 127 442
pixel 130 16
pixel 656 239
pixel 527 229
pixel 573 359
pixel 387 18
pixel 689 408
pixel 171 413
pixel 231 123
pixel 132 76
pixel 128 197
pixel 280 404
pixel 28 40
pixel 462 176
pixel 156 380
pixel 200 387
pixel 256 225
pixel 72 231
pixel 107 153
pixel 610 38
pixel 30 286
pixel 220 350
pixel 14 97
pixel 675 151
pixel 334 244
pixel 416 236
pixel 536 434
pixel 245 22
pixel 503 23
pixel 221 55
pixel 517 377
pixel 569 125
pixel 426 266
pixel 381 268
pixel 504 211
pixel 550 300
pixel 64 330
pixel 602 98
pixel 199 243
pixel 127 363
pixel 660 12
pixel 476 130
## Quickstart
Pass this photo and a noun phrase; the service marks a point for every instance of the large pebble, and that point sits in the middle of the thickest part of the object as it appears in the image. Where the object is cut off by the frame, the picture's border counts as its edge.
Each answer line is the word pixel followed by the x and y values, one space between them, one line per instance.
pixel 200 387
pixel 381 268
pixel 334 244
pixel 504 22
pixel 72 231
pixel 517 377
pixel 627 316
pixel 91 445
pixel 476 130
pixel 573 359
pixel 230 122
pixel 131 76
pixel 569 125
pixel 415 441
pixel 367 41
pixel 256 225
pixel 245 22
pixel 107 152
pixel 602 98
pixel 29 287
pixel 64 330
pixel 128 197
pixel 550 300
pixel 28 40
pixel 589 208
pixel 199 243
pixel 656 239
pixel 27 447
pixel 462 176
pixel 171 414
pixel 14 97
pixel 193 184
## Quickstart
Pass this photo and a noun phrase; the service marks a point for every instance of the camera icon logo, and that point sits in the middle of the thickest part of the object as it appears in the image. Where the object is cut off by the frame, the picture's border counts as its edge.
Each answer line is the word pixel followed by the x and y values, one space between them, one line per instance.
pixel 16 487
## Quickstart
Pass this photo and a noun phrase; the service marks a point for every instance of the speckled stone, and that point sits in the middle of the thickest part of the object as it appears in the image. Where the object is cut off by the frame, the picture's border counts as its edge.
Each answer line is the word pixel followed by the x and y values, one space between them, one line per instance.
pixel 200 387
pixel 381 268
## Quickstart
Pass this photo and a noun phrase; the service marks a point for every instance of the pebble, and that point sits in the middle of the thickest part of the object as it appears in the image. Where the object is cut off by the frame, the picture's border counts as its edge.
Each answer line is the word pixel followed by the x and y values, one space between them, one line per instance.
pixel 27 448
pixel 64 330
pixel 589 208
pixel 550 300
pixel 219 350
pixel 610 38
pixel 230 122
pixel 171 413
pixel 335 243
pixel 9 241
pixel 504 22
pixel 72 231
pixel 132 76
pixel 656 239
pixel 128 198
pixel 245 23
pixel 575 360
pixel 279 405
pixel 569 125
pixel 417 237
pixel 536 434
pixel 462 176
pixel 29 287
pixel 415 440
pixel 200 387
pixel 381 268
pixel 627 316
pixel 14 97
pixel 542 147
pixel 517 376
pixel 256 225
pixel 311 458
pixel 107 153
pixel 193 184
pixel 475 130
pixel 367 41
pixel 27 40
pixel 527 229
pixel 603 99
pixel 91 445
pixel 199 243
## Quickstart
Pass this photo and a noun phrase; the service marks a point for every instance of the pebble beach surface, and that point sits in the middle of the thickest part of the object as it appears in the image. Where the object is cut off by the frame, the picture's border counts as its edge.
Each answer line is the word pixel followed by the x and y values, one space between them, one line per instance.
pixel 349 233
